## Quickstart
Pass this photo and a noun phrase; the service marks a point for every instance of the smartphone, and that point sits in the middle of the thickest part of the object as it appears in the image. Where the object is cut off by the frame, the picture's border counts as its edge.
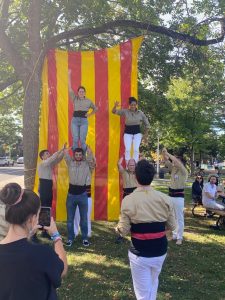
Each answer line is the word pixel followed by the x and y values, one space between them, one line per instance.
pixel 45 216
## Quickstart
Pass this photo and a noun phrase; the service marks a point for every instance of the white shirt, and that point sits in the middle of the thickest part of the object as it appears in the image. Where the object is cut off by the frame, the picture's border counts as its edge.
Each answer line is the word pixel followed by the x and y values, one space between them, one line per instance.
pixel 211 189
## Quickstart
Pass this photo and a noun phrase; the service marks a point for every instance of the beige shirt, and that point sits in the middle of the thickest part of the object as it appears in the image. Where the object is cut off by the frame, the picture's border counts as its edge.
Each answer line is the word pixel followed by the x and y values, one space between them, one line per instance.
pixel 45 166
pixel 4 226
pixel 81 104
pixel 129 179
pixel 146 206
pixel 133 117
pixel 179 175
pixel 80 171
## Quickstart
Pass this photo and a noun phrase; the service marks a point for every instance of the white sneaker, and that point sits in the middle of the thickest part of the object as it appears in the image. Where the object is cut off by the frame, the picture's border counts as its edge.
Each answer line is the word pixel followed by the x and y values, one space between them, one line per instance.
pixel 179 242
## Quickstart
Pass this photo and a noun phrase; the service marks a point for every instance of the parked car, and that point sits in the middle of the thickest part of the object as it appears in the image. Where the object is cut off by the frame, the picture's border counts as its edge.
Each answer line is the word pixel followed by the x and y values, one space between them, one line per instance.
pixel 20 160
pixel 6 161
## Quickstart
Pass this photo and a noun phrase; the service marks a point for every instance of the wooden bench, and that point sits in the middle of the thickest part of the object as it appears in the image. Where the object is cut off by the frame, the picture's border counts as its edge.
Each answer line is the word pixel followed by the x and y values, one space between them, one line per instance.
pixel 220 222
pixel 198 210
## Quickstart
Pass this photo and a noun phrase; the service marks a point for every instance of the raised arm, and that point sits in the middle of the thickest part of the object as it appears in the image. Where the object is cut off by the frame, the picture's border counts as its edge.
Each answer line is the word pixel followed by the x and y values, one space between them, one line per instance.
pixel 114 109
pixel 119 164
pixel 167 156
pixel 67 157
pixel 55 158
pixel 90 159
pixel 71 92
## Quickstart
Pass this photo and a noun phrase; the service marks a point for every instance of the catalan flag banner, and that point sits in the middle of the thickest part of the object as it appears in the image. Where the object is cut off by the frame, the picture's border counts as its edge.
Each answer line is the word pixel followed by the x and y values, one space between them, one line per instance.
pixel 108 75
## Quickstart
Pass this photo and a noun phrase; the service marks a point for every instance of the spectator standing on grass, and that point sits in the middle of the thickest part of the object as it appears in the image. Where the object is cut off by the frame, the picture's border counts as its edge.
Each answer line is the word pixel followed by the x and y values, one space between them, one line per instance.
pixel 146 214
pixel 179 176
pixel 28 271
pixel 79 122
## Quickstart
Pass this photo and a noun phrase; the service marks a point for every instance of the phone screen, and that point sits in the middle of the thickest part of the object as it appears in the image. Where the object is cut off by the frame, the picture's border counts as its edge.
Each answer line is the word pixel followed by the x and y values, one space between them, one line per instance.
pixel 45 216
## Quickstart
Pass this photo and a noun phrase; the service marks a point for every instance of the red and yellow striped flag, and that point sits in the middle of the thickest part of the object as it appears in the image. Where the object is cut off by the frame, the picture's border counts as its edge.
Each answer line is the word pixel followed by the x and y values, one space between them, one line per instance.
pixel 108 75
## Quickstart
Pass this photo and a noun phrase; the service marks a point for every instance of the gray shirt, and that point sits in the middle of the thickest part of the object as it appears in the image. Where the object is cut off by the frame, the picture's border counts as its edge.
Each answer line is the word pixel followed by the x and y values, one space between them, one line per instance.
pixel 133 117
pixel 81 104
pixel 45 166
pixel 80 171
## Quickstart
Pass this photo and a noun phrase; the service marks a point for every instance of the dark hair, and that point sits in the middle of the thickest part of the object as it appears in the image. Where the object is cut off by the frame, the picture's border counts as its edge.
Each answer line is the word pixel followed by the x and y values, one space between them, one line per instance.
pixel 42 152
pixel 18 213
pixel 80 150
pixel 132 99
pixel 81 87
pixel 144 172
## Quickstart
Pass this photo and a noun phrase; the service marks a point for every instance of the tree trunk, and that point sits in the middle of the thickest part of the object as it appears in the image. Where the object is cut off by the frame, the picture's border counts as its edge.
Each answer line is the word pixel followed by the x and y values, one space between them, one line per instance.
pixel 31 128
pixel 192 160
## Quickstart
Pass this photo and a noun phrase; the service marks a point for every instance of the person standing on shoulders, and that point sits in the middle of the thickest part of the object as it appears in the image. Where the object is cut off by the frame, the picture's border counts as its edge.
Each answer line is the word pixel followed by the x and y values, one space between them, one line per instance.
pixel 79 123
pixel 80 170
pixel 179 175
pixel 132 133
pixel 146 214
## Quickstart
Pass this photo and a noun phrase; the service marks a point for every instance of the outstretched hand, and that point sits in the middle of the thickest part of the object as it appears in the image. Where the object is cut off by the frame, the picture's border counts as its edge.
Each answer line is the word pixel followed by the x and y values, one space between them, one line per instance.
pixel 116 103
pixel 89 151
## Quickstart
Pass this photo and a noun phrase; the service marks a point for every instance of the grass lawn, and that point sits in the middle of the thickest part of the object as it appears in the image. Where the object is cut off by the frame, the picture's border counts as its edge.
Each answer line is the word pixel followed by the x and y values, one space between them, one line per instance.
pixel 195 270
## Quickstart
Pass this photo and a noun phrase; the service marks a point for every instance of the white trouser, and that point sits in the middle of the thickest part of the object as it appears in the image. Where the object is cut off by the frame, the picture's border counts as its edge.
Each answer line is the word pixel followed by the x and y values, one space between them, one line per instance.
pixel 77 219
pixel 212 204
pixel 128 139
pixel 178 205
pixel 145 274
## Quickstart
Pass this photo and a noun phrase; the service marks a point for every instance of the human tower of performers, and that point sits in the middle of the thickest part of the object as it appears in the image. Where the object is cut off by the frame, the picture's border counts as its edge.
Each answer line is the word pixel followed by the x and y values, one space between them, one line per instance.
pixel 146 214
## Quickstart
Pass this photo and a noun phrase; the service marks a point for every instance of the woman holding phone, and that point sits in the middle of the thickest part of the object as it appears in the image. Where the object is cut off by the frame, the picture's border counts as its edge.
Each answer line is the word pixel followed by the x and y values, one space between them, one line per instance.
pixel 27 270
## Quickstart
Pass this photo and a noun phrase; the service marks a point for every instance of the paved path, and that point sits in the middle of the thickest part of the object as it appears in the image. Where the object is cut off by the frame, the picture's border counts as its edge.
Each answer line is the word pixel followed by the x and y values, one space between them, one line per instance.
pixel 12 174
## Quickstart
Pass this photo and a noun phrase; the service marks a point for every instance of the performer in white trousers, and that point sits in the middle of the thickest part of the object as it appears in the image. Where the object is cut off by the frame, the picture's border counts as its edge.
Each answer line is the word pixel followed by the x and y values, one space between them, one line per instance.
pixel 132 133
pixel 146 214
pixel 77 215
pixel 176 191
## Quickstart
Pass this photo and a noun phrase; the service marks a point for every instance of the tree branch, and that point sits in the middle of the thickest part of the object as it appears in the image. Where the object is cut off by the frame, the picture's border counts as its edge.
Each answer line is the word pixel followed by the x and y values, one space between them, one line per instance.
pixel 12 55
pixel 137 25
pixel 11 94
pixel 10 81
pixel 4 14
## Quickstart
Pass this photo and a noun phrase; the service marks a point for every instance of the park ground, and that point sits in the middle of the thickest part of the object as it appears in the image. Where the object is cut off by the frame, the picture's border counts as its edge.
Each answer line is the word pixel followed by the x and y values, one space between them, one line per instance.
pixel 194 270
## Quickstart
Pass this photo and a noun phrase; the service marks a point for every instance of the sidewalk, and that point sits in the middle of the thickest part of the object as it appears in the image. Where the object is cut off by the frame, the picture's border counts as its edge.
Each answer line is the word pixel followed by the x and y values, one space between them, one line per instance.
pixel 17 179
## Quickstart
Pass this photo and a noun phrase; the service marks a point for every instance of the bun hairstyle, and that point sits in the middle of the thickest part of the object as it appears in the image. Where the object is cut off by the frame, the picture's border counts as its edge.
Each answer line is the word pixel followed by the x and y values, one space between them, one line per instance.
pixel 144 172
pixel 20 204
pixel 132 99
